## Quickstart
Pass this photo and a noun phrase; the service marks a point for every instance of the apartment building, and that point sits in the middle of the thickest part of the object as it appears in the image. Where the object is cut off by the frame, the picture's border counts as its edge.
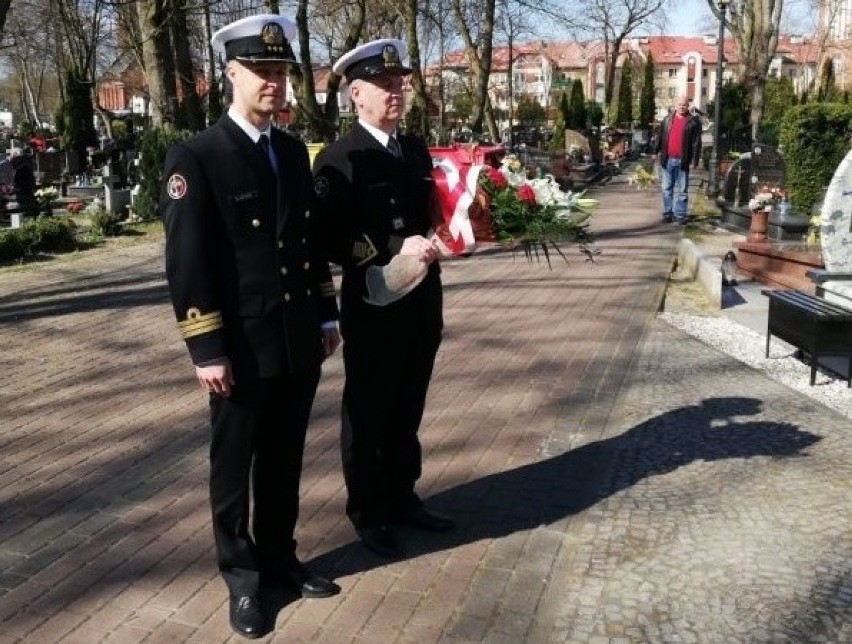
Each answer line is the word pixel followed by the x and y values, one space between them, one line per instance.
pixel 683 65
pixel 835 31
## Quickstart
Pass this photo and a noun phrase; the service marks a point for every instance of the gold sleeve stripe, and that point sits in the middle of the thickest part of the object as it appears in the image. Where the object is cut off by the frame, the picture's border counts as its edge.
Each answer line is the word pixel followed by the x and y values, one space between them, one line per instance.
pixel 327 289
pixel 197 323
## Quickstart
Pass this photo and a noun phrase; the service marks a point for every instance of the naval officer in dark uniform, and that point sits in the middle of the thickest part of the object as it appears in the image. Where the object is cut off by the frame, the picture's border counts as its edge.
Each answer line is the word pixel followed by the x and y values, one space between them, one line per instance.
pixel 373 188
pixel 255 303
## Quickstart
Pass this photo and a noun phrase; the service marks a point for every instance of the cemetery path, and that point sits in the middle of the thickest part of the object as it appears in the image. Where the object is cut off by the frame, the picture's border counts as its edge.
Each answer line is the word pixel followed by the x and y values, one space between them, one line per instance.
pixel 614 478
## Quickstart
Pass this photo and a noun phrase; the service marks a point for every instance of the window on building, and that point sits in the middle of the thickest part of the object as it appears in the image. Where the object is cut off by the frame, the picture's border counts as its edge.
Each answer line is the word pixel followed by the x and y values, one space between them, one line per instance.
pixel 704 72
pixel 672 92
pixel 672 72
pixel 704 92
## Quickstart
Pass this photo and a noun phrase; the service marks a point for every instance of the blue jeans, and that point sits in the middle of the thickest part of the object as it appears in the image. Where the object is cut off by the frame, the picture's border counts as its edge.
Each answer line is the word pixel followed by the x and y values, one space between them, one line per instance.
pixel 675 181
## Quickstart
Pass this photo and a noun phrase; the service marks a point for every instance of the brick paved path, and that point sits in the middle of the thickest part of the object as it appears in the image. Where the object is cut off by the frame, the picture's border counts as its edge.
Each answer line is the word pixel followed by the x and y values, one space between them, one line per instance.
pixel 615 480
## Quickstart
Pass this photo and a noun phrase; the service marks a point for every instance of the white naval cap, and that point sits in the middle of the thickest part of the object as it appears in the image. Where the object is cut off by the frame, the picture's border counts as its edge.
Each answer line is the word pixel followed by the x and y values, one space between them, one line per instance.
pixel 262 38
pixel 374 58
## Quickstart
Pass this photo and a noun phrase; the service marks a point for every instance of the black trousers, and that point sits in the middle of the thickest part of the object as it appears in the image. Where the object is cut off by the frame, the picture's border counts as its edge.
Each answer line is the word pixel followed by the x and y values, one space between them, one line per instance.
pixel 256 450
pixel 388 362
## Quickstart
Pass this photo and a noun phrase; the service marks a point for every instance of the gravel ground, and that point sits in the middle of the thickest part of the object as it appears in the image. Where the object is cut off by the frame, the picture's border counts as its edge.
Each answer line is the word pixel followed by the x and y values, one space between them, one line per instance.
pixel 748 347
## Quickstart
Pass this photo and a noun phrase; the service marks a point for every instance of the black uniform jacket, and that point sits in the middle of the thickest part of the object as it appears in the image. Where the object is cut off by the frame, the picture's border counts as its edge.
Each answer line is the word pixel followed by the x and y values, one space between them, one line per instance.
pixel 369 202
pixel 248 277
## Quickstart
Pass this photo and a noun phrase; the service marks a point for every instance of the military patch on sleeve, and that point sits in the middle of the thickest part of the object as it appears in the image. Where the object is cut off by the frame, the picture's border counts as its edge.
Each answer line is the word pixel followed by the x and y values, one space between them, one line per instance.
pixel 321 187
pixel 363 251
pixel 176 186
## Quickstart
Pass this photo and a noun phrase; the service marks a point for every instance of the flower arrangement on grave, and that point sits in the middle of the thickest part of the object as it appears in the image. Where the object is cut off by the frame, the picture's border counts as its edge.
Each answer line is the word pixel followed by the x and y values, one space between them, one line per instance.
pixel 73 207
pixel 766 198
pixel 46 195
pixel 575 152
pixel 643 178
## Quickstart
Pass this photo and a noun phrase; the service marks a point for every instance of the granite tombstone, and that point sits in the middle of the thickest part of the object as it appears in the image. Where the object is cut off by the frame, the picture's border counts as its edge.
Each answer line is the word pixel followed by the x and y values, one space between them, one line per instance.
pixel 836 235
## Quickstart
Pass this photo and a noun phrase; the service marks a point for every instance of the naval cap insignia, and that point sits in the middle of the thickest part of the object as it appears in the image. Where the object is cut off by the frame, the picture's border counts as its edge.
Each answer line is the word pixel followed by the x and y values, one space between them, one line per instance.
pixel 271 34
pixel 176 186
pixel 390 56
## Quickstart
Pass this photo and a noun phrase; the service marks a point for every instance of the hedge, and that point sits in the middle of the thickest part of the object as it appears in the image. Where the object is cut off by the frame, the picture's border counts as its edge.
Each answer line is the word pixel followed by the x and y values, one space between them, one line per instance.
pixel 814 139
pixel 48 235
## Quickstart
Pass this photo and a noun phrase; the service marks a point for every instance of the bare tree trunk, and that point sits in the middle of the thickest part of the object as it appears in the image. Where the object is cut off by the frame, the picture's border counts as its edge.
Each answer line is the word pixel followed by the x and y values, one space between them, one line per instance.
pixel 188 112
pixel 491 122
pixel 755 25
pixel 421 97
pixel 322 122
pixel 479 57
pixel 103 115
pixel 28 99
pixel 156 60
pixel 214 97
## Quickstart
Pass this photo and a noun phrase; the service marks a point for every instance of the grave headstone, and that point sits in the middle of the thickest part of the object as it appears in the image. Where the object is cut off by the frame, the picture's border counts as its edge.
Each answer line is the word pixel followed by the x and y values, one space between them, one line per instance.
pixel 736 186
pixel 574 138
pixel 116 200
pixel 836 231
pixel 767 168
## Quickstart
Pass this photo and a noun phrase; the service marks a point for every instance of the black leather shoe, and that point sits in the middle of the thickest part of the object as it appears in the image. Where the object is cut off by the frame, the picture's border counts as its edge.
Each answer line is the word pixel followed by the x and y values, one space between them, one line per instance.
pixel 310 586
pixel 427 520
pixel 246 616
pixel 380 539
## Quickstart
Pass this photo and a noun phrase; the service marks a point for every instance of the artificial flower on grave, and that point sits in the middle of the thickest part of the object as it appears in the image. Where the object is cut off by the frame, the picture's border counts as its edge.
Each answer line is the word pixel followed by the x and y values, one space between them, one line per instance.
pixel 533 213
pixel 46 195
pixel 74 207
pixel 643 178
pixel 766 198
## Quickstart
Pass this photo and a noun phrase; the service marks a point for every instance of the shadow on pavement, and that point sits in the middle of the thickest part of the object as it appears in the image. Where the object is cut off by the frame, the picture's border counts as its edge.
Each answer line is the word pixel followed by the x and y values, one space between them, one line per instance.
pixel 544 492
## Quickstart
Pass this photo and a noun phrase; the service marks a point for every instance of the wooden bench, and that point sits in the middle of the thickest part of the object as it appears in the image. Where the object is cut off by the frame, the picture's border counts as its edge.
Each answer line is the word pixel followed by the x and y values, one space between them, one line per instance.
pixel 810 324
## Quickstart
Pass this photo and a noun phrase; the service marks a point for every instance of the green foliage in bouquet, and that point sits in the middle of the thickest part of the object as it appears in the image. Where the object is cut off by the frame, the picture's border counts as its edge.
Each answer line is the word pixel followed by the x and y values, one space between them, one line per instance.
pixel 535 214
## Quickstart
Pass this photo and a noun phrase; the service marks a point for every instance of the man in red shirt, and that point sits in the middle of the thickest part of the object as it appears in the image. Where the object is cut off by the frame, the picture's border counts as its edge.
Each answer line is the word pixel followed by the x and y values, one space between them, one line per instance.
pixel 678 147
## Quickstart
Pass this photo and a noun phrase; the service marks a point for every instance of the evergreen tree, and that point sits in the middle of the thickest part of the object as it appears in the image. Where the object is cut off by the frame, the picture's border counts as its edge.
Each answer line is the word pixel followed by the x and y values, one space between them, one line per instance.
pixel 77 115
pixel 565 110
pixel 557 141
pixel 779 96
pixel 647 105
pixel 624 113
pixel 827 88
pixel 529 111
pixel 595 113
pixel 579 113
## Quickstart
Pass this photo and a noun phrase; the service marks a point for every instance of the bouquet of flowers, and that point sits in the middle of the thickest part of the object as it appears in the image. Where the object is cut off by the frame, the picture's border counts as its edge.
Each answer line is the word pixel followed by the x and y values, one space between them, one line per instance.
pixel 535 213
pixel 643 178
pixel 766 198
pixel 46 195
pixel 475 203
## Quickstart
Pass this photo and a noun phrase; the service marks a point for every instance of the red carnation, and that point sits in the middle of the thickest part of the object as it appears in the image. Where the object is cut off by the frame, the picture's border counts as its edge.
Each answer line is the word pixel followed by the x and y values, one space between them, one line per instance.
pixel 496 178
pixel 526 194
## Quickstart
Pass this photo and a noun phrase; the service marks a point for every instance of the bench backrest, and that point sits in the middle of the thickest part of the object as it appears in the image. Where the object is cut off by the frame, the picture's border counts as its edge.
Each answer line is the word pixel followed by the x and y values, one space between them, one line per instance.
pixel 810 303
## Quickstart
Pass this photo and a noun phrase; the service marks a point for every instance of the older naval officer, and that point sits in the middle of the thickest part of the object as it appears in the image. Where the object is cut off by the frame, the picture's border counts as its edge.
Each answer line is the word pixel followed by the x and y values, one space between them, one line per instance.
pixel 373 188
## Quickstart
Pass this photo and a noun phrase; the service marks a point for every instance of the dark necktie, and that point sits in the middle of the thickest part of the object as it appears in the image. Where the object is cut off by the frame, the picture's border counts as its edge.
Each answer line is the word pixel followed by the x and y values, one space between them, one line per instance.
pixel 393 147
pixel 263 144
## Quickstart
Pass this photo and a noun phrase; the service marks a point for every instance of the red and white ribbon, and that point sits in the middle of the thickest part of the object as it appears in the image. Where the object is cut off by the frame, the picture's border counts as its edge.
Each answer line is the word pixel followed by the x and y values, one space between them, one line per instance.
pixel 455 187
